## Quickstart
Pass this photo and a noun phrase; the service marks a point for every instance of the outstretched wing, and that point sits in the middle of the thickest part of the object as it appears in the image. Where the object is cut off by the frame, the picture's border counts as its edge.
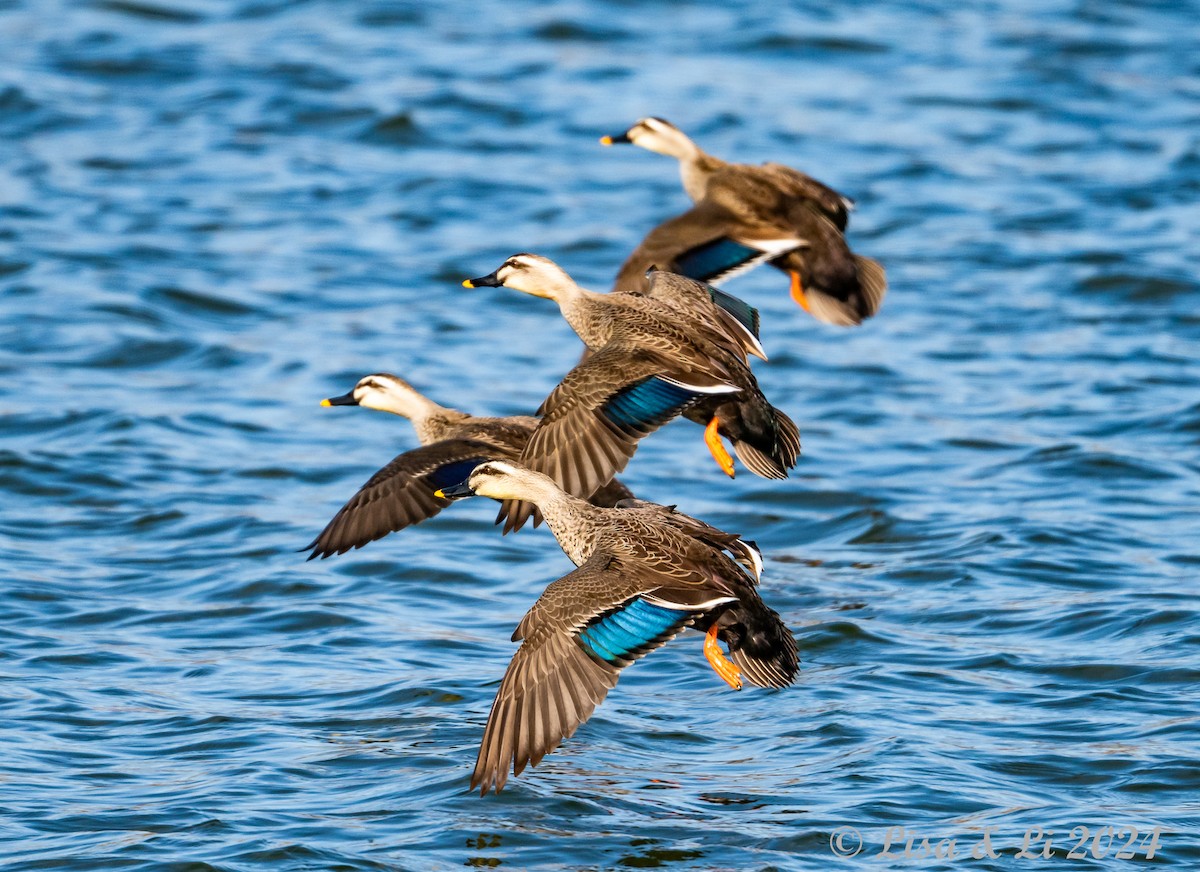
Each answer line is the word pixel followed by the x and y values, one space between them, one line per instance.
pixel 402 494
pixel 586 628
pixel 592 422
pixel 704 243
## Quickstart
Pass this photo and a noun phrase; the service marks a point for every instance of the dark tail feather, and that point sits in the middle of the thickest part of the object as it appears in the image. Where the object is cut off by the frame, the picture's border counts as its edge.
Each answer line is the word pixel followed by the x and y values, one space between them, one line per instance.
pixel 781 457
pixel 872 282
pixel 761 645
pixel 759 463
pixel 777 671
pixel 788 439
pixel 860 303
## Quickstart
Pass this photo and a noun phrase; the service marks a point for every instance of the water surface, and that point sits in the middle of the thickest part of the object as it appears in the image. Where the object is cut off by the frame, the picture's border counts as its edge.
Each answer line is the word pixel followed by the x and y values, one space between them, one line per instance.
pixel 214 214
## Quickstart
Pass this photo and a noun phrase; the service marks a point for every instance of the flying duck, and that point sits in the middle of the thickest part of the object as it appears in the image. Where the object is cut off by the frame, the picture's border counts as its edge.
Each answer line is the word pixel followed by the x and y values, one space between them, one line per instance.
pixel 651 360
pixel 744 215
pixel 452 444
pixel 644 573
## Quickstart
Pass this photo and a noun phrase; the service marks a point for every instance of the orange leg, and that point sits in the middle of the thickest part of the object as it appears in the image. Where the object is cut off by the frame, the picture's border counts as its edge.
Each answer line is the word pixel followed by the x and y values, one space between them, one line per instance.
pixel 798 292
pixel 721 664
pixel 713 440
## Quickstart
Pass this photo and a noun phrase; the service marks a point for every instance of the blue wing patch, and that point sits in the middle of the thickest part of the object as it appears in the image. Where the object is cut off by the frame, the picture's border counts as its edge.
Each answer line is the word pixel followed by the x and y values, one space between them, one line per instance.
pixel 453 473
pixel 648 403
pixel 625 633
pixel 713 259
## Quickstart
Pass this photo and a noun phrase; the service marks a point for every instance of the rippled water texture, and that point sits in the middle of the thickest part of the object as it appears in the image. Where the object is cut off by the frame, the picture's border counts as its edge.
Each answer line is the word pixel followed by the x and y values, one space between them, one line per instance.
pixel 214 214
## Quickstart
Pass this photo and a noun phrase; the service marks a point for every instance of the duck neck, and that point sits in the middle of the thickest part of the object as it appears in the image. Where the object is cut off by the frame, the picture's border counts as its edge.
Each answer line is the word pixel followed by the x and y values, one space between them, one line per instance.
pixel 437 423
pixel 572 522
pixel 580 311
pixel 695 169
pixel 431 421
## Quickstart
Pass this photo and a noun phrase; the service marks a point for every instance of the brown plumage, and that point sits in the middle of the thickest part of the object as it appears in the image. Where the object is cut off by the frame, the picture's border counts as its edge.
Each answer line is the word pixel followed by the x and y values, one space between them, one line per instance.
pixel 645 572
pixel 745 215
pixel 403 492
pixel 652 359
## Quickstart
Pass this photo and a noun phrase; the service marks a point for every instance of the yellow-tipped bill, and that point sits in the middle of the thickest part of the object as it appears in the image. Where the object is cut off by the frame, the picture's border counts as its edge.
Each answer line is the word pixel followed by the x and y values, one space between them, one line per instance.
pixel 606 140
pixel 488 281
pixel 343 400
pixel 454 492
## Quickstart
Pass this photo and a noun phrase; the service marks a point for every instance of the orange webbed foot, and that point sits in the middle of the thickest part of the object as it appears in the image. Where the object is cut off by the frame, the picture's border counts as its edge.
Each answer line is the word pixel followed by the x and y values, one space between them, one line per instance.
pixel 798 292
pixel 715 447
pixel 721 664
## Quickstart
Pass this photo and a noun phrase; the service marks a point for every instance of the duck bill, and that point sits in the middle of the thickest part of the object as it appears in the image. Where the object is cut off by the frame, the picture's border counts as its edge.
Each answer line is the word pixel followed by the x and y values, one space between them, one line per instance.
pixel 343 400
pixel 488 281
pixel 617 139
pixel 456 492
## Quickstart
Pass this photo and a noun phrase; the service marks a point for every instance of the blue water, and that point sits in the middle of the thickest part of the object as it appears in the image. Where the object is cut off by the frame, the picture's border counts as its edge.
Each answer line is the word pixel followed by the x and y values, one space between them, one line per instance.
pixel 214 214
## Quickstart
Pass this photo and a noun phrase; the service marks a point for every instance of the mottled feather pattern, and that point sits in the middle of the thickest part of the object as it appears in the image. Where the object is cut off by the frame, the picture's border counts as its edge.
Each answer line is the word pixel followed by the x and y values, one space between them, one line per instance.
pixel 576 444
pixel 766 437
pixel 399 495
pixel 581 448
pixel 740 206
pixel 746 554
pixel 703 307
pixel 674 546
pixel 402 493
pixel 645 572
pixel 679 332
pixel 799 186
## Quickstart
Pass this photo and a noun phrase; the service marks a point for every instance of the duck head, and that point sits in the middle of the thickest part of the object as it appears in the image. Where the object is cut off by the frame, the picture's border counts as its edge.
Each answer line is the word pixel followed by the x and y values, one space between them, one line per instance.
pixel 531 274
pixel 657 135
pixel 385 392
pixel 502 481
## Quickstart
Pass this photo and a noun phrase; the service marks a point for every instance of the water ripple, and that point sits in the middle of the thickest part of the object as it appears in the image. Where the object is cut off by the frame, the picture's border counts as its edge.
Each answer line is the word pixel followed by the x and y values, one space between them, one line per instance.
pixel 216 214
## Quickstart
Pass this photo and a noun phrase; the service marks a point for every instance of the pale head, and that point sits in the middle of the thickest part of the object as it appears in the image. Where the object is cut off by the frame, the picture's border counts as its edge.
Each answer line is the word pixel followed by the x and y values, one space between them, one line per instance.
pixel 506 481
pixel 386 393
pixel 657 135
pixel 531 274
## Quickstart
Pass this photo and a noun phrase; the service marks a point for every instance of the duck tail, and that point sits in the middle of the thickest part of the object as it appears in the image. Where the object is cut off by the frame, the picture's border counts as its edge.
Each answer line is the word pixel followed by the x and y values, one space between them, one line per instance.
pixel 758 462
pixel 777 671
pixel 788 438
pixel 855 300
pixel 761 645
pixel 773 456
pixel 872 283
